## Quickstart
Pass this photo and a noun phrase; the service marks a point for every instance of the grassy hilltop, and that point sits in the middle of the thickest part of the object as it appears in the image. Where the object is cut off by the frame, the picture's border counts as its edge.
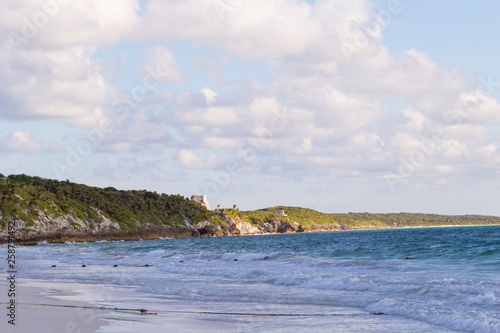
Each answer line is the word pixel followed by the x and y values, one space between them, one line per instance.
pixel 308 217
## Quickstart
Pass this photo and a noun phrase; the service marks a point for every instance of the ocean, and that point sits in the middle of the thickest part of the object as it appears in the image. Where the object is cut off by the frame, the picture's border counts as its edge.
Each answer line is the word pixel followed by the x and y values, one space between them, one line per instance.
pixel 351 281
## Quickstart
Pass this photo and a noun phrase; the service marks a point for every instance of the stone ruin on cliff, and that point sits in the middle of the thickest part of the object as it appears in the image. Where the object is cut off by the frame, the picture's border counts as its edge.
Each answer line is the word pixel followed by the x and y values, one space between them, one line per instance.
pixel 201 199
pixel 280 212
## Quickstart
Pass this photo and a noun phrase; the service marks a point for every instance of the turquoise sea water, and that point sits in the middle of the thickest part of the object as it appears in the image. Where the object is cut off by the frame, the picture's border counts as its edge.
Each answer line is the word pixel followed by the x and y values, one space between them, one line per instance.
pixel 451 285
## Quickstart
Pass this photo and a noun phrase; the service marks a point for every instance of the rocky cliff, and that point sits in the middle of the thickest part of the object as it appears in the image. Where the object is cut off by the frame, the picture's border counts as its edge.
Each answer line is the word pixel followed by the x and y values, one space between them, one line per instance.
pixel 70 228
pixel 38 209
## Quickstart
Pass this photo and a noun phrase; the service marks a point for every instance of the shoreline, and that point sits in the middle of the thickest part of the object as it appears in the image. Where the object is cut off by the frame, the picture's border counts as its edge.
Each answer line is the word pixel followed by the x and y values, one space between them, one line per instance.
pixel 49 317
pixel 128 238
pixel 169 314
pixel 77 306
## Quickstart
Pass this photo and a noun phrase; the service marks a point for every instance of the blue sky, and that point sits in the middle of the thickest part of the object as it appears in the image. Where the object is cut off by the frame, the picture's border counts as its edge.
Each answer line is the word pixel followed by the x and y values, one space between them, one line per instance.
pixel 381 106
pixel 456 34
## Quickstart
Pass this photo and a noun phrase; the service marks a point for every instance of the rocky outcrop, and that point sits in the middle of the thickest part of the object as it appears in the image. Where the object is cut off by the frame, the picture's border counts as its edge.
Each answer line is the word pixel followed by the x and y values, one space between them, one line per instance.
pixel 234 226
pixel 242 227
pixel 246 228
pixel 67 227
pixel 47 226
pixel 229 226
pixel 238 226
pixel 70 228
pixel 208 229
pixel 279 226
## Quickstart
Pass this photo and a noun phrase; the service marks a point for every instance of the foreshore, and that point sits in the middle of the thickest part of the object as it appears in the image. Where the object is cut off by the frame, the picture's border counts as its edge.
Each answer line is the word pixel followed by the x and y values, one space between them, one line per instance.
pixel 72 307
pixel 55 315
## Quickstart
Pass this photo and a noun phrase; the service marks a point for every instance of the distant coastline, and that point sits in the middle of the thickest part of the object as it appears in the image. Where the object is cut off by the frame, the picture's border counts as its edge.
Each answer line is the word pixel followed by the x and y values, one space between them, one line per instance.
pixel 61 211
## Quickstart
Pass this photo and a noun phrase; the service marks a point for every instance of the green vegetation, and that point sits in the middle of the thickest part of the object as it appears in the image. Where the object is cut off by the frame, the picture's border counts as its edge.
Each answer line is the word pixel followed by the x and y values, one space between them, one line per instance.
pixel 36 200
pixel 299 215
pixel 28 197
pixel 308 217
pixel 233 213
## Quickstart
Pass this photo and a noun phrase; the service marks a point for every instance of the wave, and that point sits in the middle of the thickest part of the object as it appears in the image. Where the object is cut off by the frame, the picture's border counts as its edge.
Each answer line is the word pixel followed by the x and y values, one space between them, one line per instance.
pixel 435 313
pixel 444 286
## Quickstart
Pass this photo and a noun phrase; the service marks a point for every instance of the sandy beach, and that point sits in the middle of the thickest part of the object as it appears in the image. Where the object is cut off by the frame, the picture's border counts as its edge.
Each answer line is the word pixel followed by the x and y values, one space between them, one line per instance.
pixel 65 313
pixel 34 318
pixel 63 310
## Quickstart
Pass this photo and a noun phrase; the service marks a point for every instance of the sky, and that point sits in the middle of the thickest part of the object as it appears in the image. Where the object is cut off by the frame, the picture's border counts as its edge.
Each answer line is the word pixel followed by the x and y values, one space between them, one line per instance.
pixel 339 106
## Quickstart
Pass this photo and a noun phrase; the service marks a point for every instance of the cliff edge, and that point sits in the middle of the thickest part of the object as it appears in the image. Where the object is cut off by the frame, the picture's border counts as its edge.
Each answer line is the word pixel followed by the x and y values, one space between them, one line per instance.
pixel 35 209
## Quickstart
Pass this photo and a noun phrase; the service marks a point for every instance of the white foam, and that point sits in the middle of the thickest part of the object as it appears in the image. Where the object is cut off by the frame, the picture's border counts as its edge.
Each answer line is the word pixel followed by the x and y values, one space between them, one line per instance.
pixel 155 254
pixel 413 289
pixel 487 299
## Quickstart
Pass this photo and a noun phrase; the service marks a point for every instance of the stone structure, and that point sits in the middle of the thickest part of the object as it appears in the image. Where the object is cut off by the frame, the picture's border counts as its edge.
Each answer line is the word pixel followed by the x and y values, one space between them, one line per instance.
pixel 280 212
pixel 201 199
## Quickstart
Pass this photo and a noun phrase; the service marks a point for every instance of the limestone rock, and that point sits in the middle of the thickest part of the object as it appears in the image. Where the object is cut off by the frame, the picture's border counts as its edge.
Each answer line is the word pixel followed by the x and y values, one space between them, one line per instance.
pixel 246 228
pixel 208 229
pixel 279 226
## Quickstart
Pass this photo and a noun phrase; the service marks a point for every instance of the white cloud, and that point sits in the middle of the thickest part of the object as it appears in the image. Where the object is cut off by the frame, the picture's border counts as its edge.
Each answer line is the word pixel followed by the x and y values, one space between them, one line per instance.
pixel 209 95
pixel 210 116
pixel 161 61
pixel 211 63
pixel 475 108
pixel 59 24
pixel 24 142
pixel 215 142
pixel 304 147
pixel 247 28
pixel 415 120
pixel 487 150
pixel 53 84
pixel 191 159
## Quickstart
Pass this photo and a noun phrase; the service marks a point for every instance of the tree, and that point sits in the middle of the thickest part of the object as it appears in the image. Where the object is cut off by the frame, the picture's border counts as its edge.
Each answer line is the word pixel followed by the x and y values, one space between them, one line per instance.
pixel 234 206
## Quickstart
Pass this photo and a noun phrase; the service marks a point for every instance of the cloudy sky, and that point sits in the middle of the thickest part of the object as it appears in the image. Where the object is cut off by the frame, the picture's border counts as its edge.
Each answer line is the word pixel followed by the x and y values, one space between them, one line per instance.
pixel 377 106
